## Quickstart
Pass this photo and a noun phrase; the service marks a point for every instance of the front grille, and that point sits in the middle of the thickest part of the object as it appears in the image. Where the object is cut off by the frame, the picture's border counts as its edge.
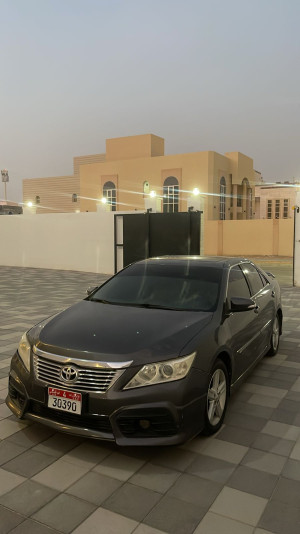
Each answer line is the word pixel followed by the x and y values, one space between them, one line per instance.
pixel 97 379
pixel 161 423
pixel 99 423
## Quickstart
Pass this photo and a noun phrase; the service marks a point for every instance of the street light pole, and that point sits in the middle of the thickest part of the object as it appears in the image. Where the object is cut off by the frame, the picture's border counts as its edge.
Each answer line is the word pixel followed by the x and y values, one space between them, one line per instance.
pixel 5 179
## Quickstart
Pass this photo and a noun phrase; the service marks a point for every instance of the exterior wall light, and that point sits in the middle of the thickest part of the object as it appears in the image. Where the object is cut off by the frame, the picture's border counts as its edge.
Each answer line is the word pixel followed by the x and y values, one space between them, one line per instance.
pixel 196 192
pixel 152 194
pixel 104 200
pixel 29 204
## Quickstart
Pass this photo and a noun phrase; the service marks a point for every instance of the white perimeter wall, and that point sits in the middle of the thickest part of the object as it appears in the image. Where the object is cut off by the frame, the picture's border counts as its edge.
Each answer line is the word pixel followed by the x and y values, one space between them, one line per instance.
pixel 71 241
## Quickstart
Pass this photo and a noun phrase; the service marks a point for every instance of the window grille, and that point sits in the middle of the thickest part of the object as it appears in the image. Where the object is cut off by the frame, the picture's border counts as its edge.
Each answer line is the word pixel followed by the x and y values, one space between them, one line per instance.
pixel 110 193
pixel 277 209
pixel 222 198
pixel 171 195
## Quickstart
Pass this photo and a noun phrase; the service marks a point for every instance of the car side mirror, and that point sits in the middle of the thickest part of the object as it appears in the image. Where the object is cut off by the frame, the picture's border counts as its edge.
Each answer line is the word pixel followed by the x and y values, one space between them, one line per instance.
pixel 270 274
pixel 239 304
pixel 91 289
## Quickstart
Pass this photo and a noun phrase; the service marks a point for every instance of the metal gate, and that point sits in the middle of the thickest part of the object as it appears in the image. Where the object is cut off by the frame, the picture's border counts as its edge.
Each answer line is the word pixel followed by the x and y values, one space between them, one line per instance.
pixel 144 235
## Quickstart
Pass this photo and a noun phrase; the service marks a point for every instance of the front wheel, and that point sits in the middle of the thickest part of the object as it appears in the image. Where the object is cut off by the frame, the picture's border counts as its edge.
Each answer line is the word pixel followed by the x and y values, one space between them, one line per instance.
pixel 274 342
pixel 217 397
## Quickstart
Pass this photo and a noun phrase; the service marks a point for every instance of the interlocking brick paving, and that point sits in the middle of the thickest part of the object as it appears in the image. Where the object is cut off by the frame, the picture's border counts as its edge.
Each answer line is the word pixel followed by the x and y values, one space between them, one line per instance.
pixel 244 480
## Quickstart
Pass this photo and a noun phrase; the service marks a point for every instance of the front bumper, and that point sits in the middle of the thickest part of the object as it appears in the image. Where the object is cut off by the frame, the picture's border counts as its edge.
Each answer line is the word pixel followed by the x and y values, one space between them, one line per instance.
pixel 164 414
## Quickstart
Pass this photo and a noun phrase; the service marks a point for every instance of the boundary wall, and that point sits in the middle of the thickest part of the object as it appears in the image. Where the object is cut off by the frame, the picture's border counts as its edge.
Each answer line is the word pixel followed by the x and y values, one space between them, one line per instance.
pixel 71 241
pixel 85 241
pixel 256 237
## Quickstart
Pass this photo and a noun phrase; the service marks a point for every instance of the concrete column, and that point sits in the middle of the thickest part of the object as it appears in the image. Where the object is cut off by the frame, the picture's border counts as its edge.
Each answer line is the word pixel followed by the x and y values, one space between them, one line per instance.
pixel 275 237
pixel 29 210
pixel 220 238
pixel 103 206
pixel 153 203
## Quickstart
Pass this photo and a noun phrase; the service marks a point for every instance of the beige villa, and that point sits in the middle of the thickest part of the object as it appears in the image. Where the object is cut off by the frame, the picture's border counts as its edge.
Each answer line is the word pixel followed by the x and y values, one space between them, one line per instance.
pixel 134 169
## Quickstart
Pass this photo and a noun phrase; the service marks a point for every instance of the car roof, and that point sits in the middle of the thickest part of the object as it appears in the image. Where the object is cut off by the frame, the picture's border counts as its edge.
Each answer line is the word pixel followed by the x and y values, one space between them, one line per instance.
pixel 209 261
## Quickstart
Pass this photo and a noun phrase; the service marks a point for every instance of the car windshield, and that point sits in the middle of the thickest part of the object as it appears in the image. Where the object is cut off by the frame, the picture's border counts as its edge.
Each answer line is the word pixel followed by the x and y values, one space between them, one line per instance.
pixel 180 286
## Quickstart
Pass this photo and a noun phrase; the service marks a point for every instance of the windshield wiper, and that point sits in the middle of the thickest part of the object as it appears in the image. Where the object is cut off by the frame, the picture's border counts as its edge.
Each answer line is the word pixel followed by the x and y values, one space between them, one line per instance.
pixel 146 305
pixel 102 301
pixel 113 303
pixel 136 304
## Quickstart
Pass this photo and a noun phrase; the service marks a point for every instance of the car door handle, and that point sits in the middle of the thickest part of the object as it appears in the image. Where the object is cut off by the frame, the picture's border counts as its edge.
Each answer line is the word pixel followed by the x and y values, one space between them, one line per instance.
pixel 273 294
pixel 256 309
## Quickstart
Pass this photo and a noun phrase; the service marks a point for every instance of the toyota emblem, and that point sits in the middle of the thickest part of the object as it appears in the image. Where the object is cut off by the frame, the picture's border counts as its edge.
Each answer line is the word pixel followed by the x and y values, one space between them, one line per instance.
pixel 69 374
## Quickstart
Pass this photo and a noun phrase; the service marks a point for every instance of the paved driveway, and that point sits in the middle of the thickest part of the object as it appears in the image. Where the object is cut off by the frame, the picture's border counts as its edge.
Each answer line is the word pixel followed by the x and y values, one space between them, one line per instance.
pixel 244 480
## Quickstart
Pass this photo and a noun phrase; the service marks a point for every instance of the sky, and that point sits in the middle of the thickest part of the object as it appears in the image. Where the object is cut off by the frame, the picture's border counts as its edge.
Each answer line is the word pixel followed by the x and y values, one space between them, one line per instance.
pixel 205 75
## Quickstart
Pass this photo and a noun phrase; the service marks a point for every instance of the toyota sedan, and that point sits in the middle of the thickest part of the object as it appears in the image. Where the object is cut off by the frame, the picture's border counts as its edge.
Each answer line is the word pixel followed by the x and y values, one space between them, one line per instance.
pixel 151 356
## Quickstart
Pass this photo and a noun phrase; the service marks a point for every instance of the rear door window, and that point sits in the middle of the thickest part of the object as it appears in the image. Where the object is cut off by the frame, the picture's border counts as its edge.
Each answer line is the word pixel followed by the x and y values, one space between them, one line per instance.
pixel 263 279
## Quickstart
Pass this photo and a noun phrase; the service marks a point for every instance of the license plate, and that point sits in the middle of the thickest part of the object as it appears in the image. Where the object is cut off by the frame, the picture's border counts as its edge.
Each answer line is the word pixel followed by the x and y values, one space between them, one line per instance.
pixel 67 401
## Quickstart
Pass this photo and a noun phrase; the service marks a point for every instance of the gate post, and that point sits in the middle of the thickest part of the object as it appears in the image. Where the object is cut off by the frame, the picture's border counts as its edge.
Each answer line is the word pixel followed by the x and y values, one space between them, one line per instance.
pixel 296 244
pixel 119 242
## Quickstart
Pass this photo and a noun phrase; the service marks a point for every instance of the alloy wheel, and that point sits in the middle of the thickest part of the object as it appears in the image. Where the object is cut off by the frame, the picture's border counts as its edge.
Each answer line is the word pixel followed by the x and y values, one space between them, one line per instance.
pixel 216 397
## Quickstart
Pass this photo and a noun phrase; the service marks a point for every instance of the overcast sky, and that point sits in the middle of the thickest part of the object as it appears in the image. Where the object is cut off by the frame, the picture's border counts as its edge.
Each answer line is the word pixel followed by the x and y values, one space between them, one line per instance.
pixel 205 75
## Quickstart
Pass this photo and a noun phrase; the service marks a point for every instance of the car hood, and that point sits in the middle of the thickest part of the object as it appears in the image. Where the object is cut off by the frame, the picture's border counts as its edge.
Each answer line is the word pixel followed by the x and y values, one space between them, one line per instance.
pixel 112 333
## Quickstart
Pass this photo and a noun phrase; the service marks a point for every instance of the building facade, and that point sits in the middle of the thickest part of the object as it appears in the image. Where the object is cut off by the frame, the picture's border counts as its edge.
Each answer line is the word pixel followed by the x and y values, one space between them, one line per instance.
pixel 275 201
pixel 134 169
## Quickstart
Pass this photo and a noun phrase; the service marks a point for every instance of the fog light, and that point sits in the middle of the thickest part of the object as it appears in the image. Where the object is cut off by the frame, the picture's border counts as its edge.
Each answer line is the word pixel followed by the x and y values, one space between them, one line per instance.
pixel 144 424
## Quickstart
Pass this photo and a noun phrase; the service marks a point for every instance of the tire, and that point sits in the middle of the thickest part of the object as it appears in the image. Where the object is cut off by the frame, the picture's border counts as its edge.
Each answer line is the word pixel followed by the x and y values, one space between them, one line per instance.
pixel 274 341
pixel 217 397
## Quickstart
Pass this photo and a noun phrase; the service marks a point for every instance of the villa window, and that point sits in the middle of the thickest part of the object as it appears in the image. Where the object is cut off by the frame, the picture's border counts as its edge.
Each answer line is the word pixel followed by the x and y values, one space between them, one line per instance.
pixel 171 195
pixel 222 198
pixel 277 209
pixel 110 193
pixel 269 209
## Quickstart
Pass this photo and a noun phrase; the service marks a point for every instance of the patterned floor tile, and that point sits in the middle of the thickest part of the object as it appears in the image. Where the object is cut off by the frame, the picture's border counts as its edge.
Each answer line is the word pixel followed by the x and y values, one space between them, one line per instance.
pixel 248 474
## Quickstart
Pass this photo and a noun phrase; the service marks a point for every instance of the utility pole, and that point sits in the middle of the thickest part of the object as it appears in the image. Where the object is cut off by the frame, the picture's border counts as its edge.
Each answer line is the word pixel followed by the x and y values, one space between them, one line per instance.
pixel 5 179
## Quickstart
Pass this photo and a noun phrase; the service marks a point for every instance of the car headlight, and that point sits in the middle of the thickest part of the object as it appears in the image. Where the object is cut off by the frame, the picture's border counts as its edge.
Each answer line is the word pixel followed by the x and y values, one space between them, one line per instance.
pixel 156 373
pixel 24 351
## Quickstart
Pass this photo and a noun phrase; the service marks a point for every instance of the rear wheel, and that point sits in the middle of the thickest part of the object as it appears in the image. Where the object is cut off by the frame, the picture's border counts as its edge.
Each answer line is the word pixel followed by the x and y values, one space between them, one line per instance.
pixel 217 396
pixel 274 342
